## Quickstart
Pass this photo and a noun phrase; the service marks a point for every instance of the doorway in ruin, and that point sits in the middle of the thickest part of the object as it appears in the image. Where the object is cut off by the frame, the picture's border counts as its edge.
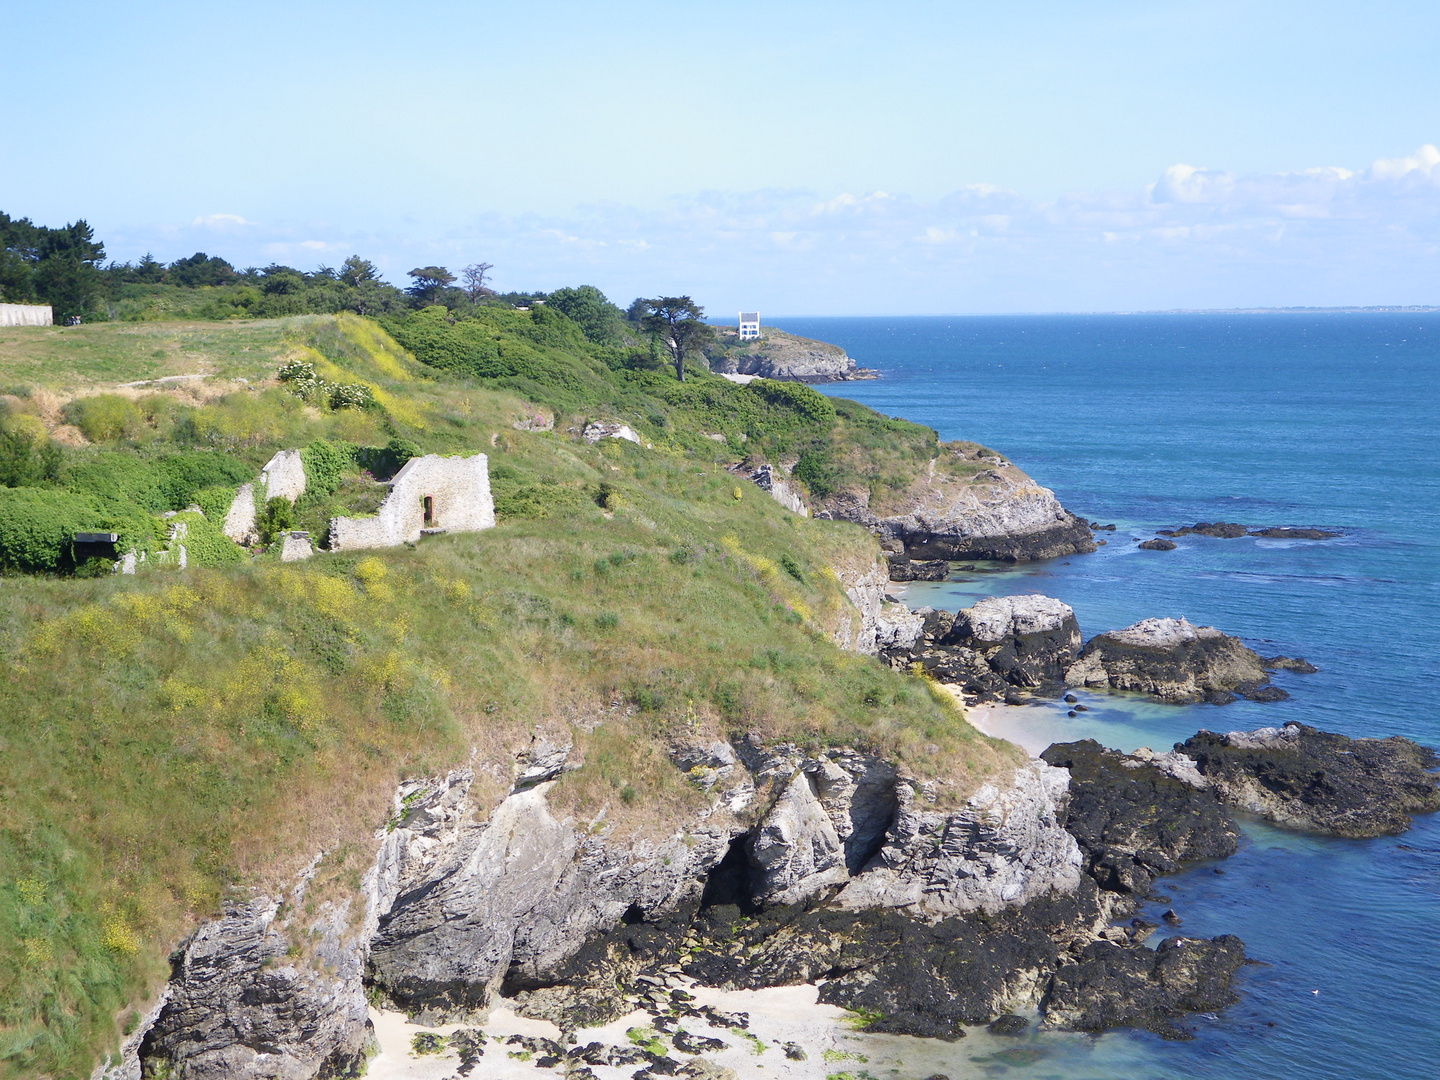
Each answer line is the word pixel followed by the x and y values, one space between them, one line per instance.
pixel 429 510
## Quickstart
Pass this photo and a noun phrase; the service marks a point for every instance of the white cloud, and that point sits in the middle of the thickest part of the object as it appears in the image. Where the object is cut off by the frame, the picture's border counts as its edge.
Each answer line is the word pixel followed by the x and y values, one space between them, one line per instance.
pixel 1196 237
pixel 220 220
pixel 1426 161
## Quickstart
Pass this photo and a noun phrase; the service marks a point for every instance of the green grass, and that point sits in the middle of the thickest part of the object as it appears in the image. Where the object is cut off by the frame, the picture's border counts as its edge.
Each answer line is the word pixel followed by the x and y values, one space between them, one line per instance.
pixel 169 738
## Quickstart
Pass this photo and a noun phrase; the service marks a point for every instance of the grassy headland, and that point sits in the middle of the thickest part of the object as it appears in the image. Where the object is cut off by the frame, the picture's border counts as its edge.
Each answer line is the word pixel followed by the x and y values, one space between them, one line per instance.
pixel 174 738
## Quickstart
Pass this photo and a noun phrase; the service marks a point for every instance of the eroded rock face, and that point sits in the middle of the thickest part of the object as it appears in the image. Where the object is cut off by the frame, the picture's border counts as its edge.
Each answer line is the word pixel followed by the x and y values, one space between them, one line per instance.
pixel 1005 847
pixel 517 894
pixel 1303 778
pixel 1134 819
pixel 997 513
pixel 240 1006
pixel 904 568
pixel 1173 660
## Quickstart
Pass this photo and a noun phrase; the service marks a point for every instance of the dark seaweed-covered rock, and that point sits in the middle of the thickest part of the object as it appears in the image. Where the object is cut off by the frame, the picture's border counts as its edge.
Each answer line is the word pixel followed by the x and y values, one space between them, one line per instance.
pixel 1133 820
pixel 1294 534
pixel 1119 986
pixel 1297 664
pixel 1224 530
pixel 1009 1024
pixel 1158 544
pixel 904 568
pixel 1171 659
pixel 1317 781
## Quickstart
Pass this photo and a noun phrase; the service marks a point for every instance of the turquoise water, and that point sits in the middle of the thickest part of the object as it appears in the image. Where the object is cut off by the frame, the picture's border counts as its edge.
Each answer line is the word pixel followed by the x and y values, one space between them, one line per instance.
pixel 1154 421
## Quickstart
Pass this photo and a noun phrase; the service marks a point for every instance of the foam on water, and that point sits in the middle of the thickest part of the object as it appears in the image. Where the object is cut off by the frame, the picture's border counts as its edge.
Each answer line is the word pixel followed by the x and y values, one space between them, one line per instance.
pixel 1152 422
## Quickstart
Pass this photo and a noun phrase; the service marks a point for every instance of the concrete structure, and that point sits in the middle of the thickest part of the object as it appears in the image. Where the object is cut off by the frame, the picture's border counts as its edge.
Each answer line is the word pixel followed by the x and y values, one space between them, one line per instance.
pixel 284 475
pixel 430 493
pixel 749 325
pixel 26 315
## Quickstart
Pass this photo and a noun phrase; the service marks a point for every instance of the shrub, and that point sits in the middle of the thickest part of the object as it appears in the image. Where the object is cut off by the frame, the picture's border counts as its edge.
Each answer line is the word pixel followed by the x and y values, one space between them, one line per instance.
pixel 105 417
pixel 27 461
pixel 816 472
pixel 278 518
pixel 324 466
pixel 205 544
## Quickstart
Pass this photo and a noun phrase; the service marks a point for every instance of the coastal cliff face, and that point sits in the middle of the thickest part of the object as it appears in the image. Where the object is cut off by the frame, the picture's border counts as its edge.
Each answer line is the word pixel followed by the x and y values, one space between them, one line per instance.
pixel 798 866
pixel 968 503
pixel 778 355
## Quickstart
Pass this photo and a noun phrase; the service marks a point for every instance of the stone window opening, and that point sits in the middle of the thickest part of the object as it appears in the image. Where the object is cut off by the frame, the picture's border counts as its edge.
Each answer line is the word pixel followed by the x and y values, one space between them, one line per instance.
pixel 429 510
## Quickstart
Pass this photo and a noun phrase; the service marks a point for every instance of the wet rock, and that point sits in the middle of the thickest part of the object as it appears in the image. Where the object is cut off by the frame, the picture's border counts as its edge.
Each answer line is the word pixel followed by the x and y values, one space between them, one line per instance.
pixel 1295 534
pixel 1134 820
pixel 1158 544
pixel 1303 778
pixel 998 644
pixel 1297 664
pixel 1225 530
pixel 1071 698
pixel 1170 659
pixel 1112 986
pixel 1009 1024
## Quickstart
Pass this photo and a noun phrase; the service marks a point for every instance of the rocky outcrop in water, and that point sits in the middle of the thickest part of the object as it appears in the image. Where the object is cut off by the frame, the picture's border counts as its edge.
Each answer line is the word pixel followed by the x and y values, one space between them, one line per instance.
pixel 1174 661
pixel 999 643
pixel 1118 986
pixel 967 504
pixel 1230 530
pixel 1136 818
pixel 904 568
pixel 1316 781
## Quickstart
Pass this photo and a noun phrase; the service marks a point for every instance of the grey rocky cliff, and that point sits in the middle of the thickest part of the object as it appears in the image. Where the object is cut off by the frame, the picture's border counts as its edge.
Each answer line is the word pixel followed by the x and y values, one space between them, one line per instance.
pixel 1174 661
pixel 952 511
pixel 877 623
pixel 1004 848
pixel 935 915
pixel 241 1004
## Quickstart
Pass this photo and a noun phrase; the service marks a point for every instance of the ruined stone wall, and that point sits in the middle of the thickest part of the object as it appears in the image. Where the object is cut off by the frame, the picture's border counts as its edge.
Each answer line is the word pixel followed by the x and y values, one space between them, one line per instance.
pixel 460 501
pixel 284 475
pixel 26 315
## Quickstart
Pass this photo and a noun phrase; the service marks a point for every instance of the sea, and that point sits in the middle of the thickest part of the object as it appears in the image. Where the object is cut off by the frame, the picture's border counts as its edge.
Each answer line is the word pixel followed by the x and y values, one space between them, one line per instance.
pixel 1154 421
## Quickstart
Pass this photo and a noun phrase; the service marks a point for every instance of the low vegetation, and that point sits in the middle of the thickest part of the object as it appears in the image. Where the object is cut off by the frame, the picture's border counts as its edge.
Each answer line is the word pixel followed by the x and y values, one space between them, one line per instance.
pixel 175 738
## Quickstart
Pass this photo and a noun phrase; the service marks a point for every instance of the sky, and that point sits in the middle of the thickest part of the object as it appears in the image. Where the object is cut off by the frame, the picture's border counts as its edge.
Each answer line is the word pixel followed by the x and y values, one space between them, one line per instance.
pixel 803 158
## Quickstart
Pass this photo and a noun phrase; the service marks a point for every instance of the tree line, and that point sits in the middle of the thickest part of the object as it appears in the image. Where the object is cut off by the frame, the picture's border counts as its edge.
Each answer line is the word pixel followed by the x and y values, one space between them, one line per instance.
pixel 65 267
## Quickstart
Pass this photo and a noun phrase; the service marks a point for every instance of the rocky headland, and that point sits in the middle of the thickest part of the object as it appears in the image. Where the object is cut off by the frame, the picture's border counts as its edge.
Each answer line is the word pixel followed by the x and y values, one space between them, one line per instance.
pixel 786 357
pixel 968 503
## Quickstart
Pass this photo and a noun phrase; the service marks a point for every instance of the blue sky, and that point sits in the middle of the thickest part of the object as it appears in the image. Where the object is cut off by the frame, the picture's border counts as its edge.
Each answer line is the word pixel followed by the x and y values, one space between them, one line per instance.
pixel 804 158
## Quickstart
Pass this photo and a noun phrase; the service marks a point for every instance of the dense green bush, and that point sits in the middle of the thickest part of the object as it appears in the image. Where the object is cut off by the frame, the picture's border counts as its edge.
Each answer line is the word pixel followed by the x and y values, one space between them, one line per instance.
pixel 26 461
pixel 325 464
pixel 205 544
pixel 169 483
pixel 38 526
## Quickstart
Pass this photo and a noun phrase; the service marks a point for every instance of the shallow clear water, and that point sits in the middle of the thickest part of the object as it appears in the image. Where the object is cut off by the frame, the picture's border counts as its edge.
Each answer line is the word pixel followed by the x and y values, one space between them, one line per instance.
pixel 1154 421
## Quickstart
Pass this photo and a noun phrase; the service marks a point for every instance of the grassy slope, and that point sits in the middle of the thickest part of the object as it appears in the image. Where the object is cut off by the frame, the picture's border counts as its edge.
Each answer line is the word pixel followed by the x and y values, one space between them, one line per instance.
pixel 169 739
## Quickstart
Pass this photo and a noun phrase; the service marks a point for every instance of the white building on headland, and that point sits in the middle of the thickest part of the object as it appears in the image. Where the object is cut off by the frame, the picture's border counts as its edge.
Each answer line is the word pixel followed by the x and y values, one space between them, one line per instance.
pixel 749 325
